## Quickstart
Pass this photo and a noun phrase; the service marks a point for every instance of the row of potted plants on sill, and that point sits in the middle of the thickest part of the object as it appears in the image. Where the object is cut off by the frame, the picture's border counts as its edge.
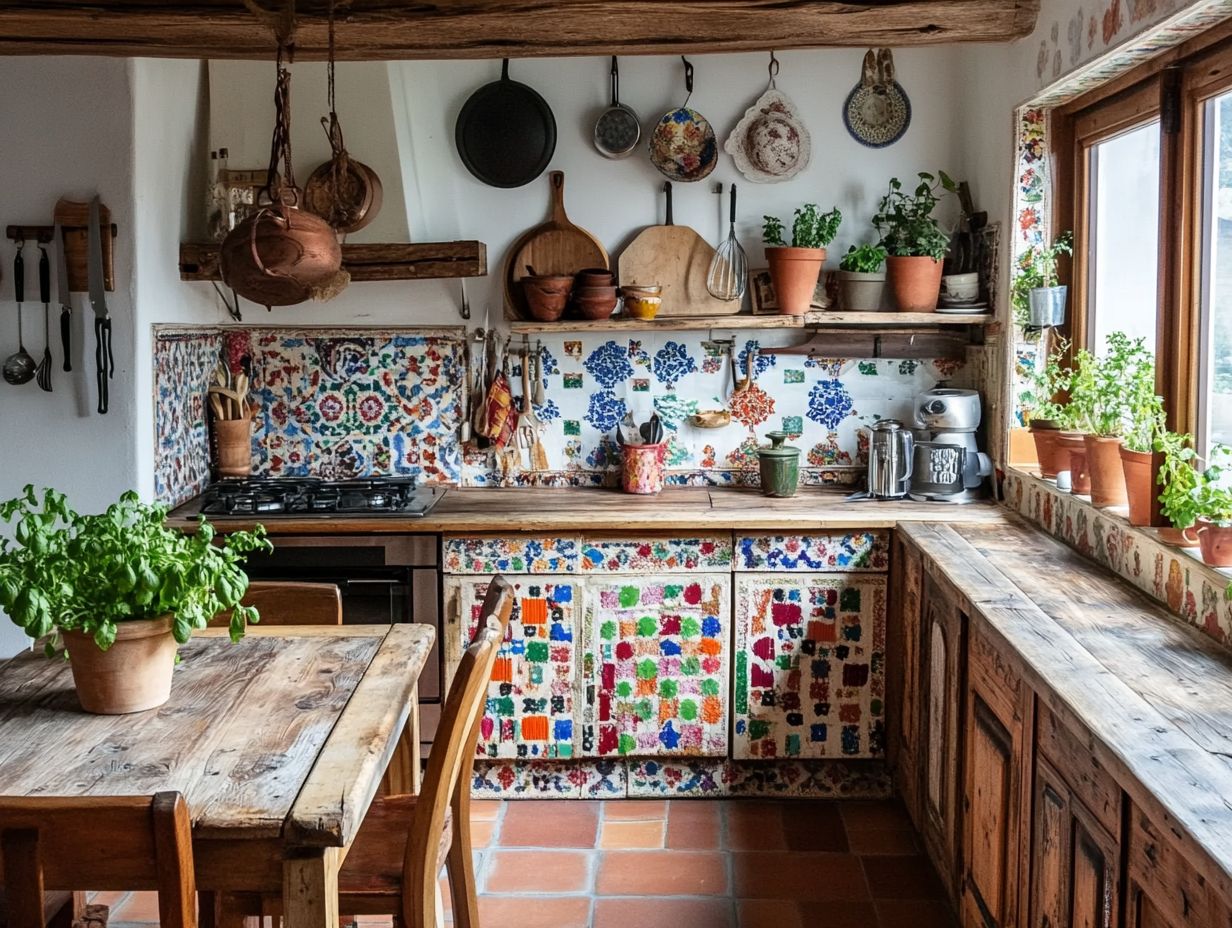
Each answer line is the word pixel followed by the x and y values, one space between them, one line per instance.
pixel 908 255
pixel 1103 438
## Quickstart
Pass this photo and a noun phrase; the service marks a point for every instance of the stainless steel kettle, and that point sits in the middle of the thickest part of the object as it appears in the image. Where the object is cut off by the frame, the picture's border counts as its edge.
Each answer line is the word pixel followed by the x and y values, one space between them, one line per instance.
pixel 889 459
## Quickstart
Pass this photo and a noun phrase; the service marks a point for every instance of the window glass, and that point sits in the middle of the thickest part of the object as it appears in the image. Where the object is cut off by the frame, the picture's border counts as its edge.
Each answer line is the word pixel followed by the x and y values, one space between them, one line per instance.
pixel 1124 235
pixel 1215 413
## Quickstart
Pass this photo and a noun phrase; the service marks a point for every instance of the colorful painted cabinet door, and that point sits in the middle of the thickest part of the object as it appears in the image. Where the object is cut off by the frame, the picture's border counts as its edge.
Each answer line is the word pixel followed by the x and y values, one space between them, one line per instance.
pixel 810 665
pixel 531 697
pixel 656 665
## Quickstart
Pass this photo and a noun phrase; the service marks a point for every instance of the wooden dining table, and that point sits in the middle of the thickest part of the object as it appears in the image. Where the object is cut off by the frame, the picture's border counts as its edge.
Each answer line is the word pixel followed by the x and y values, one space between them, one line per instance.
pixel 278 743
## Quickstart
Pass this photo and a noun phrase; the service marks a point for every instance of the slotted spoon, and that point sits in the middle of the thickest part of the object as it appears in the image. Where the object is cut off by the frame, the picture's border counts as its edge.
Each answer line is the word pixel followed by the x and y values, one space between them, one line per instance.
pixel 729 267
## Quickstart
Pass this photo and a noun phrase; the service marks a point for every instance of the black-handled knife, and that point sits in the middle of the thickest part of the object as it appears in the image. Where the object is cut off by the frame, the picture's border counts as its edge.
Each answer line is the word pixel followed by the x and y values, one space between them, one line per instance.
pixel 66 299
pixel 103 360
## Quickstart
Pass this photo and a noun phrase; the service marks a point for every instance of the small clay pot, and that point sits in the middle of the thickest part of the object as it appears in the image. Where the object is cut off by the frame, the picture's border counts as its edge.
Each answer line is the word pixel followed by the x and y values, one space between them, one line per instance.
pixel 1139 484
pixel 594 293
pixel 1072 457
pixel 132 675
pixel 597 307
pixel 544 305
pixel 594 277
pixel 915 282
pixel 549 283
pixel 794 273
pixel 1215 542
pixel 1046 451
pixel 1107 475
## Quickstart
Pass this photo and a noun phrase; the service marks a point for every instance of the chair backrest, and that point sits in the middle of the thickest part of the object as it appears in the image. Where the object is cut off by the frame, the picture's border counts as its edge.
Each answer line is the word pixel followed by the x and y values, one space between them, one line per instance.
pixel 100 842
pixel 287 602
pixel 453 748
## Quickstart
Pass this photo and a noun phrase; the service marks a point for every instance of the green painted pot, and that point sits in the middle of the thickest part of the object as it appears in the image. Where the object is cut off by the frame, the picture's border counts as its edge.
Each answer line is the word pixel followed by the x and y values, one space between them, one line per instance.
pixel 780 466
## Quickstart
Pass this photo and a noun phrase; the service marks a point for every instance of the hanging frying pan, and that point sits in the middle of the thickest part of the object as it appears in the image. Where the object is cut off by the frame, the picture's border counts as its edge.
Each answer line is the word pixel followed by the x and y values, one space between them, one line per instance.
pixel 617 130
pixel 506 133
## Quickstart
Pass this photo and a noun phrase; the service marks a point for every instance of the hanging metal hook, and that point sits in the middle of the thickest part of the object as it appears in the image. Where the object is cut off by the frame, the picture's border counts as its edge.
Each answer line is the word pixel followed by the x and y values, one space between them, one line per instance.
pixel 773 69
pixel 688 79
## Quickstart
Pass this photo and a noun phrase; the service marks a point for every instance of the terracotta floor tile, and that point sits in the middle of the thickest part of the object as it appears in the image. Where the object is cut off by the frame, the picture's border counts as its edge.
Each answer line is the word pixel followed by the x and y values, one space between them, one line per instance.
pixel 661 873
pixel 535 911
pixel 662 913
pixel 839 915
pixel 110 899
pixel 814 826
pixel 508 872
pixel 794 875
pixel 138 907
pixel 754 826
pixel 693 824
pixel 485 810
pixel 901 878
pixel 770 913
pixel 628 835
pixel 915 913
pixel 550 823
pixel 883 841
pixel 874 813
pixel 626 810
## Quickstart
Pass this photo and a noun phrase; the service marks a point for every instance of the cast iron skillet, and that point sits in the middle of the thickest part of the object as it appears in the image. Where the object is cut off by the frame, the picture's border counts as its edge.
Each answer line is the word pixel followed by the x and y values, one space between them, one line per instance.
pixel 506 133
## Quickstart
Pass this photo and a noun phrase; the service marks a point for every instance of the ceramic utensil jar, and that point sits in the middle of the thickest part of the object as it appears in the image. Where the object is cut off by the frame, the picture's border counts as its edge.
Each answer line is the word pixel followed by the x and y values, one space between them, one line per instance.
pixel 780 466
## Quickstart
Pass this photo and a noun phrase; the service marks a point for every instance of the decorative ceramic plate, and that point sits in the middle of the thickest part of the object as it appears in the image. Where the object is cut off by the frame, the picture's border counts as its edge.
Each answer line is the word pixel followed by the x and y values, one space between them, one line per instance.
pixel 770 143
pixel 683 146
pixel 877 111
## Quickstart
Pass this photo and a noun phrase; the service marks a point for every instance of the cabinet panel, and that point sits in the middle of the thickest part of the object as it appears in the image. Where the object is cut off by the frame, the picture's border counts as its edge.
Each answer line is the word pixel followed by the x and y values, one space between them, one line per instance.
pixel 903 688
pixel 656 665
pixel 810 665
pixel 509 554
pixel 530 704
pixel 1164 889
pixel 656 554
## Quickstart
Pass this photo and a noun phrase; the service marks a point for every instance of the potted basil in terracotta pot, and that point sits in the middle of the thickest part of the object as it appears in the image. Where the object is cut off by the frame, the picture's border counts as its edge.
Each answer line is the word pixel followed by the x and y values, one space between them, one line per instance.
pixel 914 241
pixel 795 268
pixel 1042 413
pixel 119 590
pixel 862 279
pixel 1177 500
pixel 1212 505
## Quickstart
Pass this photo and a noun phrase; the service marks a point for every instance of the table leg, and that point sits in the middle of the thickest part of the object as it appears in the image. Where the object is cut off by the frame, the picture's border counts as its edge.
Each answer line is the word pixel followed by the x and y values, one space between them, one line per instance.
pixel 310 888
pixel 402 776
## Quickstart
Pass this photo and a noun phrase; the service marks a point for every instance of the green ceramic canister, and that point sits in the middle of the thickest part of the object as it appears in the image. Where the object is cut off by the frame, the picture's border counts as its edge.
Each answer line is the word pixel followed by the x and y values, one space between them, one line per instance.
pixel 780 466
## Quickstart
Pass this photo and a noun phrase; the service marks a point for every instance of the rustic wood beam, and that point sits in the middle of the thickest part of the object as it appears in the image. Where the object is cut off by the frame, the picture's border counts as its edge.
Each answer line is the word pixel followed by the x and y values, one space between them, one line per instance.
pixel 423 261
pixel 370 30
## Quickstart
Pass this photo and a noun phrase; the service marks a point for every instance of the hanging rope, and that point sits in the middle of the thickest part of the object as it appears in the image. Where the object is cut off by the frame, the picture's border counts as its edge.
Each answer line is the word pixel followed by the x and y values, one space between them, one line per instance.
pixel 280 185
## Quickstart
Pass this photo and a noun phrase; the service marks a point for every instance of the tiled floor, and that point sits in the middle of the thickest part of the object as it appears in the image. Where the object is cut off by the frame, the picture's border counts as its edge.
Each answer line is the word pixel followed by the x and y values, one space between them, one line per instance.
pixel 691 864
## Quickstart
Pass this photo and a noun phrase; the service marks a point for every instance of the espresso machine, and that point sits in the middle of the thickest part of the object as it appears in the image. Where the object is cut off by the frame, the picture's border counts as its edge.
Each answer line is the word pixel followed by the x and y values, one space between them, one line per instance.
pixel 947 465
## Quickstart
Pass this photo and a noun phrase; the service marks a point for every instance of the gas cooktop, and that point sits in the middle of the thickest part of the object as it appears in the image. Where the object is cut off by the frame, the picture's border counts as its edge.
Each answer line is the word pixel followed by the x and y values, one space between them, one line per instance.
pixel 297 496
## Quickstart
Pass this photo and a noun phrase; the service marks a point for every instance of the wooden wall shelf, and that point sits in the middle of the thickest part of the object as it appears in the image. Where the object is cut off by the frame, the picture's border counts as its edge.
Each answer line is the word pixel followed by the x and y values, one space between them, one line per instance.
pixel 424 261
pixel 828 319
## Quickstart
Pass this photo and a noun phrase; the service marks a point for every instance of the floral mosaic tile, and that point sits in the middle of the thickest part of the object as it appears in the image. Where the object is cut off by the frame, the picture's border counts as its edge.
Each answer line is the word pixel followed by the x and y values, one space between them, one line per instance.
pixel 507 554
pixel 184 363
pixel 652 779
pixel 655 555
pixel 848 552
pixel 511 779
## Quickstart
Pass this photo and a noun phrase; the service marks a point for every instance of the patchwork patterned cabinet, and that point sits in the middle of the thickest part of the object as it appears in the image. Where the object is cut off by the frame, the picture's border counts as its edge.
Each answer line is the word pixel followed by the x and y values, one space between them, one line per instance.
pixel 530 706
pixel 810 647
pixel 656 665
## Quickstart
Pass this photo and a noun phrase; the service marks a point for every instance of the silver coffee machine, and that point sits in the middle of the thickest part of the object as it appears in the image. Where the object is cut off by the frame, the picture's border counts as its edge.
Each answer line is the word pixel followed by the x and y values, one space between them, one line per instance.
pixel 947 465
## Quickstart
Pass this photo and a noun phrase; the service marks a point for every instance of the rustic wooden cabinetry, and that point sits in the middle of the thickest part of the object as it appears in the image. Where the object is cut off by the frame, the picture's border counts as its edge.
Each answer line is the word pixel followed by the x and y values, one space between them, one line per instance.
pixel 1164 890
pixel 996 799
pixel 903 687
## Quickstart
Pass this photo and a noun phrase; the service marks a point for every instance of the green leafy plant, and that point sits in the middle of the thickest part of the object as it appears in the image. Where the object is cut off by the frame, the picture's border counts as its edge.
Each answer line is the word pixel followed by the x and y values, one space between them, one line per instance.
pixel 1178 477
pixel 1107 394
pixel 905 220
pixel 65 571
pixel 863 259
pixel 1212 493
pixel 1042 383
pixel 1035 268
pixel 811 227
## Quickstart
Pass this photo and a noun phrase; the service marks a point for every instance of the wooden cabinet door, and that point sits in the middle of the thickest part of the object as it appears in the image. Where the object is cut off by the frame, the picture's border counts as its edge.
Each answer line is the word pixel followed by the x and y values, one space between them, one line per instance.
pixel 942 663
pixel 904 691
pixel 1075 863
pixel 996 801
pixel 810 665
pixel 655 671
pixel 1164 889
pixel 531 698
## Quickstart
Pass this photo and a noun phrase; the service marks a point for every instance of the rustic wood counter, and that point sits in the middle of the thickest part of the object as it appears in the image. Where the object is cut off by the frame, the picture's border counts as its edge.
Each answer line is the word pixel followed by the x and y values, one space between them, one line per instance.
pixel 1154 693
pixel 675 509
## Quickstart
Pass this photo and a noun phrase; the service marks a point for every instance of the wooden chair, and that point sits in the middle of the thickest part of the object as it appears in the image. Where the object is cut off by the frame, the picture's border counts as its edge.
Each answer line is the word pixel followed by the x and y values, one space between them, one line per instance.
pixel 100 842
pixel 287 602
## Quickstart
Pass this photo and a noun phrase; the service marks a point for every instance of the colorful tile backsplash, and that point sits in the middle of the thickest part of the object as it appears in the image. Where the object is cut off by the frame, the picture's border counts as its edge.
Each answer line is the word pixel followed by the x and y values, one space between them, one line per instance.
pixel 352 402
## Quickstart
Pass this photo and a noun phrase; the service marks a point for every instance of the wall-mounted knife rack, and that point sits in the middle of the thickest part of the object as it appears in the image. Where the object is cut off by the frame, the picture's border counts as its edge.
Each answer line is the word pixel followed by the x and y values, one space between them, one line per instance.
pixel 73 218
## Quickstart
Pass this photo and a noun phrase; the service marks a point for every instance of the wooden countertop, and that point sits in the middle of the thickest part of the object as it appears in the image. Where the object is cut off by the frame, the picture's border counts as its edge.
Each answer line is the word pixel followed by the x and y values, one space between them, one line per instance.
pixel 675 509
pixel 1156 692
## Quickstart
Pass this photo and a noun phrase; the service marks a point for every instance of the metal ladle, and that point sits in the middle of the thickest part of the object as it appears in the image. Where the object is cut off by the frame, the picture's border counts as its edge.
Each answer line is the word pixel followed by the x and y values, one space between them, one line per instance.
pixel 19 367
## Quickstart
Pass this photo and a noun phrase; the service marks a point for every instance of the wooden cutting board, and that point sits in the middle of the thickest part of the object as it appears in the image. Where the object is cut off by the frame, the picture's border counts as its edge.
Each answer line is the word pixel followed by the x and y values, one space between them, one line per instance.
pixel 678 259
pixel 553 247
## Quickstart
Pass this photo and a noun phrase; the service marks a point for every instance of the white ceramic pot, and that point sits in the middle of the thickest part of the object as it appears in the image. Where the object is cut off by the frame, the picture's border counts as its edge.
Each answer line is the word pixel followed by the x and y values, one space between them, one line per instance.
pixel 861 292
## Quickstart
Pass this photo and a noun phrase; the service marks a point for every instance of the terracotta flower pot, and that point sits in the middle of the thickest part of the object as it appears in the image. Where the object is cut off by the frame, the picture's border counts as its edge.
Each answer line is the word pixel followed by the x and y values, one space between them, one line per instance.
pixel 1139 484
pixel 132 675
pixel 1107 475
pixel 1072 457
pixel 1045 434
pixel 1216 543
pixel 915 283
pixel 794 273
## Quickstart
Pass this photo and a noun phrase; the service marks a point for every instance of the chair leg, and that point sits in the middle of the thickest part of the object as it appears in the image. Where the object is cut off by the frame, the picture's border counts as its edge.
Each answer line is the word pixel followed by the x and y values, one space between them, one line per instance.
pixel 460 863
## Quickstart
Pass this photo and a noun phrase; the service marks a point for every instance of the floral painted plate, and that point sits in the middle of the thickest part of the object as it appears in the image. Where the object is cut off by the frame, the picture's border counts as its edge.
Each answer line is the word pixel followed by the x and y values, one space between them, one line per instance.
pixel 683 145
pixel 877 111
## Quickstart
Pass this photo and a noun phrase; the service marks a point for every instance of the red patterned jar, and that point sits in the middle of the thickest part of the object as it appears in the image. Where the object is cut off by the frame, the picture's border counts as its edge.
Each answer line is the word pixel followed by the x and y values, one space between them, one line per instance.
pixel 642 468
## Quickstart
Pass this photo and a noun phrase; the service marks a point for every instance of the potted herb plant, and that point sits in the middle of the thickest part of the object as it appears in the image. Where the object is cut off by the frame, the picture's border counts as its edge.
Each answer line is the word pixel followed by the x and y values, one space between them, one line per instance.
pixel 1042 413
pixel 1035 294
pixel 795 268
pixel 1179 480
pixel 1076 419
pixel 1212 503
pixel 1121 385
pixel 861 278
pixel 914 240
pixel 120 590
pixel 1144 425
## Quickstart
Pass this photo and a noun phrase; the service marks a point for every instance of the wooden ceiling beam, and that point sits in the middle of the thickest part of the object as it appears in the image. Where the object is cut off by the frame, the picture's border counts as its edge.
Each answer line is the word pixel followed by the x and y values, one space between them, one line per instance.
pixel 372 30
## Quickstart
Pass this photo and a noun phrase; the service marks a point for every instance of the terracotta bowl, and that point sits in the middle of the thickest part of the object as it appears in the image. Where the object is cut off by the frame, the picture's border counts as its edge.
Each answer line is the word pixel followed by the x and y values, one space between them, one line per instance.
pixel 595 277
pixel 596 307
pixel 544 305
pixel 594 293
pixel 549 283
